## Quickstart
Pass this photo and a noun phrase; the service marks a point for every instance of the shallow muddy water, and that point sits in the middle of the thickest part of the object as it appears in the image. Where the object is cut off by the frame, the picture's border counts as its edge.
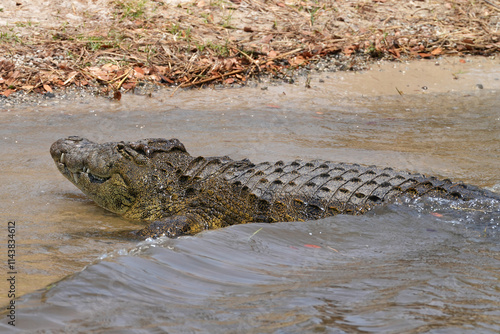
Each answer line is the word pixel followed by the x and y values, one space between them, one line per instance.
pixel 423 266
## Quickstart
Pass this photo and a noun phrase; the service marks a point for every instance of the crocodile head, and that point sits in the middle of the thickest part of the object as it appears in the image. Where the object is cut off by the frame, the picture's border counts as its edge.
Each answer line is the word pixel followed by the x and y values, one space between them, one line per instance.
pixel 121 177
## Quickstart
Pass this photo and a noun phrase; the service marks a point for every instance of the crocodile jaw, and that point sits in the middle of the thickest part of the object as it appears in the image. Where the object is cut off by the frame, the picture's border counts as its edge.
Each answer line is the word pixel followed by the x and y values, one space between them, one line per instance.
pixel 90 167
pixel 74 156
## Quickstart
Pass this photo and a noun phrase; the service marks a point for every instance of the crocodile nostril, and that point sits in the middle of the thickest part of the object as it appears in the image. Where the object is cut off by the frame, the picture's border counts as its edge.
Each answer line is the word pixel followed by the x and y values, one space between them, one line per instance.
pixel 55 150
pixel 75 138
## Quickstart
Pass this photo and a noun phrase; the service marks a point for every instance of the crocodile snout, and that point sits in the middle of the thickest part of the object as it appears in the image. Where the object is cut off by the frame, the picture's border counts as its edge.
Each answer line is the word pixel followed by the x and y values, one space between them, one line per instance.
pixel 64 145
pixel 75 156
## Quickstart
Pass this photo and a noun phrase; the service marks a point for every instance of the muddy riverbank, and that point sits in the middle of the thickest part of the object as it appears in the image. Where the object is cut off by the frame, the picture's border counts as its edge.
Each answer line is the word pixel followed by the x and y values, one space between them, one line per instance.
pixel 107 47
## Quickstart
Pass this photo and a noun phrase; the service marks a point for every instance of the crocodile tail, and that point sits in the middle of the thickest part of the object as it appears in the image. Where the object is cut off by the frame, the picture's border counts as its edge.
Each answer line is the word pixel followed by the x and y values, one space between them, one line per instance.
pixel 419 186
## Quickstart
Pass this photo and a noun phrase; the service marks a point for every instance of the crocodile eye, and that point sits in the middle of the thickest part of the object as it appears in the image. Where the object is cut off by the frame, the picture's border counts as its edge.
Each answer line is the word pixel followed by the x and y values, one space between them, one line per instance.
pixel 141 148
pixel 120 147
pixel 132 153
pixel 124 150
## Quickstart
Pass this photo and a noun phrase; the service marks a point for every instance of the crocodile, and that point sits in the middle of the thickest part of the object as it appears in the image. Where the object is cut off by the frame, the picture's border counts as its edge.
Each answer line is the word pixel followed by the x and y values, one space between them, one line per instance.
pixel 157 181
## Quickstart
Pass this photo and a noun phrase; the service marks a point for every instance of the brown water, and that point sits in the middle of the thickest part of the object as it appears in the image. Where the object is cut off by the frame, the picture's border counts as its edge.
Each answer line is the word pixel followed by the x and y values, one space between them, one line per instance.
pixel 400 268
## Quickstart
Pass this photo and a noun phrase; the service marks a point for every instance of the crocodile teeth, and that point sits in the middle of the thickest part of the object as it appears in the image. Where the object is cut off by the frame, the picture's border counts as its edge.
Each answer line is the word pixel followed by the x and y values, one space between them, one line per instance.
pixel 61 159
pixel 75 177
pixel 85 170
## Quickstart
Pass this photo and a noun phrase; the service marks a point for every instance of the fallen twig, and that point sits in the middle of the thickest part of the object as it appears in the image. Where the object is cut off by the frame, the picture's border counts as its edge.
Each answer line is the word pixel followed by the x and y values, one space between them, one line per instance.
pixel 212 78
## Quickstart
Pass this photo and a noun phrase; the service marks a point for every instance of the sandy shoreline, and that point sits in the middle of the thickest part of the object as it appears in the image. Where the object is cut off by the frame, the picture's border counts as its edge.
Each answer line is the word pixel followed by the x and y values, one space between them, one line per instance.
pixel 107 47
pixel 446 75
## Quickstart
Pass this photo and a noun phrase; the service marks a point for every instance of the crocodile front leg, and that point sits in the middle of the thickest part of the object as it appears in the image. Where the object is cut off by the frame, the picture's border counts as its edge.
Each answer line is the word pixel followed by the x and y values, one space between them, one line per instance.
pixel 172 227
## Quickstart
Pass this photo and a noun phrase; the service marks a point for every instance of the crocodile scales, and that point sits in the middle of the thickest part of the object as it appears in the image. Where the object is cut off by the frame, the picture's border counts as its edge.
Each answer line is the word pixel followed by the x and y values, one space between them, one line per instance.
pixel 156 180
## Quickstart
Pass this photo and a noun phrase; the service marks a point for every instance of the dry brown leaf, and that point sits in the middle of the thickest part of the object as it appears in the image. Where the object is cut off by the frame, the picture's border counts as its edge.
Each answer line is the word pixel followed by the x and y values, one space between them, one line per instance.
pixel 110 67
pixel 6 66
pixel 117 95
pixel 229 64
pixel 436 51
pixel 129 85
pixel 7 92
pixel 296 61
pixel 348 50
pixel 425 55
pixel 266 39
pixel 272 54
pixel 64 67
pixel 99 73
pixel 138 72
pixel 162 69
